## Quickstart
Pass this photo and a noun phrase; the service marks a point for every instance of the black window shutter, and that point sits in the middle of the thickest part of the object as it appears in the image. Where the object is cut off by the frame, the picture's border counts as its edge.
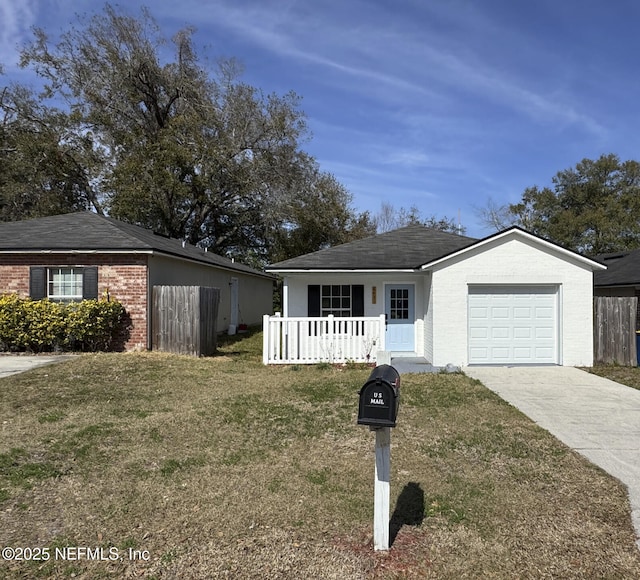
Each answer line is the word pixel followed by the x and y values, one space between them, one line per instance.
pixel 90 283
pixel 357 300
pixel 37 283
pixel 313 300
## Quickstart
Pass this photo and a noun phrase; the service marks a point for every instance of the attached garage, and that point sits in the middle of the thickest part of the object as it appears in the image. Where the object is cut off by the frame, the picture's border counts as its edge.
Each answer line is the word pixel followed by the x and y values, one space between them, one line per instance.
pixel 513 325
pixel 512 298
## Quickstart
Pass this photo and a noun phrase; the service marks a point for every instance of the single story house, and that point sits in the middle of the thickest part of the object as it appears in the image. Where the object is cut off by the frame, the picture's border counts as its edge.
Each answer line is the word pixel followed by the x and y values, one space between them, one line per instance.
pixel 510 298
pixel 85 255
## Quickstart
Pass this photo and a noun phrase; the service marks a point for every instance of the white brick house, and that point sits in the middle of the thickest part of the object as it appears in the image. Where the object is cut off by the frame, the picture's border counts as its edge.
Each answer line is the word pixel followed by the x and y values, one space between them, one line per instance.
pixel 510 298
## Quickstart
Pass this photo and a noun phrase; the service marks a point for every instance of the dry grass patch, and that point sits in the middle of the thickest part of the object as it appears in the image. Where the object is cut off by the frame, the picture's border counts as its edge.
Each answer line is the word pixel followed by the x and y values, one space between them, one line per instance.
pixel 629 376
pixel 225 468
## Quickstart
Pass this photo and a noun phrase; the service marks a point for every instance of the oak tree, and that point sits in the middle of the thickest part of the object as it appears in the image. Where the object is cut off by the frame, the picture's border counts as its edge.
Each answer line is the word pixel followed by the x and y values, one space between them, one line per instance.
pixel 187 149
pixel 592 208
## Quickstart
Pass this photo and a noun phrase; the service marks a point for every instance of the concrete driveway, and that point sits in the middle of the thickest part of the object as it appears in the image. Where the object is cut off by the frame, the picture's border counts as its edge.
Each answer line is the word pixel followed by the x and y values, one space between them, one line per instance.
pixel 597 417
pixel 14 364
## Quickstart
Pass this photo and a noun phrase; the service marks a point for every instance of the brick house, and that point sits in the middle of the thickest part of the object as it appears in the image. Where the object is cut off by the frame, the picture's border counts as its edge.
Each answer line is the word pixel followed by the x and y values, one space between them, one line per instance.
pixel 84 255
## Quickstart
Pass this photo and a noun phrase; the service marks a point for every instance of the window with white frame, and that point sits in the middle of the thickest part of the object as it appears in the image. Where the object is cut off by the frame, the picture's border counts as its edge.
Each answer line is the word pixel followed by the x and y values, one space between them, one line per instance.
pixel 64 283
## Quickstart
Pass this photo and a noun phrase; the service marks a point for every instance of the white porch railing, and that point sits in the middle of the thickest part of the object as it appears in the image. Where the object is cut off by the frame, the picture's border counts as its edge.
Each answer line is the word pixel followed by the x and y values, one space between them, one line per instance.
pixel 333 339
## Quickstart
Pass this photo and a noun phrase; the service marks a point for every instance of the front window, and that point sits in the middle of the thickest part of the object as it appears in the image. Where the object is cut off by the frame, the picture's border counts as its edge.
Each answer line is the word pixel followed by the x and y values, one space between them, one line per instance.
pixel 336 300
pixel 64 284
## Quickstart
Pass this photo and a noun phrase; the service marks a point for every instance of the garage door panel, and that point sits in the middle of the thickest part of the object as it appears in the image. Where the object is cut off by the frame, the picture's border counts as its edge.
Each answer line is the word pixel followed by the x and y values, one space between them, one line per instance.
pixel 545 313
pixel 500 353
pixel 479 313
pixel 479 353
pixel 479 333
pixel 499 312
pixel 500 332
pixel 521 354
pixel 544 352
pixel 513 324
pixel 522 332
pixel 522 312
pixel 544 332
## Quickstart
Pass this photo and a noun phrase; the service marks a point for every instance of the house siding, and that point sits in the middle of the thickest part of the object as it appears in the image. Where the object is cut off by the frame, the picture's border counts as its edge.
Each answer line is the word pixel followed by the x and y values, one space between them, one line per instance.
pixel 428 319
pixel 297 294
pixel 512 261
pixel 255 294
pixel 123 277
pixel 297 289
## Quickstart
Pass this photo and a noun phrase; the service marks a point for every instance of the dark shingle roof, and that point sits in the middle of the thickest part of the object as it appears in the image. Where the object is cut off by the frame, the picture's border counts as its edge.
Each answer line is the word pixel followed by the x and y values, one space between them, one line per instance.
pixel 623 268
pixel 87 231
pixel 402 249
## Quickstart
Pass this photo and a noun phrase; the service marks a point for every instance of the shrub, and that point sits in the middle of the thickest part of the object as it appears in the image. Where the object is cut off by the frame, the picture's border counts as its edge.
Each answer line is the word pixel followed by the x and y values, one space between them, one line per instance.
pixel 92 324
pixel 42 325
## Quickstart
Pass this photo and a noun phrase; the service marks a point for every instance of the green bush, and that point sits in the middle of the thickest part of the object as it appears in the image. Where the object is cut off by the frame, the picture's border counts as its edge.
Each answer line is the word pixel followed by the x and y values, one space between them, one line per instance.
pixel 92 324
pixel 42 325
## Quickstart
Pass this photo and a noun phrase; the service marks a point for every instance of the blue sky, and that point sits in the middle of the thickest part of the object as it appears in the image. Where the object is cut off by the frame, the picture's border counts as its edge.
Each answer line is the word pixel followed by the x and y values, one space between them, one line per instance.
pixel 441 104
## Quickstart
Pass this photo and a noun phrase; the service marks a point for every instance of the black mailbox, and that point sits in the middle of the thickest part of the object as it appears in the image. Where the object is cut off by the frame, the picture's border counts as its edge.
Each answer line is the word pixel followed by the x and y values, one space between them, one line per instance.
pixel 380 398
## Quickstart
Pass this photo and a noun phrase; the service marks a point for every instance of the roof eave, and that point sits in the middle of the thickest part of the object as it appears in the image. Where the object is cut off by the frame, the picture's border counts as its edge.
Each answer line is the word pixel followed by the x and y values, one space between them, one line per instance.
pixel 148 252
pixel 74 251
pixel 483 242
pixel 341 270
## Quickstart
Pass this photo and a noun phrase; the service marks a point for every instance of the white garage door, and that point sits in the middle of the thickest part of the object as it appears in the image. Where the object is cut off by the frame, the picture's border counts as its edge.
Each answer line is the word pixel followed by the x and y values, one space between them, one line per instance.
pixel 513 325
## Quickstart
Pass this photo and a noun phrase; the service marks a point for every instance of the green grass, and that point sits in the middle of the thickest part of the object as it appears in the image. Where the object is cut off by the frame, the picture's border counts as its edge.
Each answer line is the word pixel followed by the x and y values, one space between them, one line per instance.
pixel 19 470
pixel 222 467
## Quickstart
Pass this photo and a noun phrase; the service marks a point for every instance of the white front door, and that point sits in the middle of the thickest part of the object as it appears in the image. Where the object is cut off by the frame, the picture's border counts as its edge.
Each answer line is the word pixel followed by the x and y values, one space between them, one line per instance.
pixel 399 308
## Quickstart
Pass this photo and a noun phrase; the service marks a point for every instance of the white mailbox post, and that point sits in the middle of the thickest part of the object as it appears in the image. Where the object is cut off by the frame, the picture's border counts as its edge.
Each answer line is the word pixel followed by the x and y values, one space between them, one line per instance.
pixel 378 408
pixel 382 489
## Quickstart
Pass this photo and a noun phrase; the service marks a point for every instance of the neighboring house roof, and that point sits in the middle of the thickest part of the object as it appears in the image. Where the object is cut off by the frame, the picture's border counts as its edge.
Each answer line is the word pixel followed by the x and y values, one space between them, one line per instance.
pixel 406 248
pixel 409 248
pixel 623 269
pixel 90 232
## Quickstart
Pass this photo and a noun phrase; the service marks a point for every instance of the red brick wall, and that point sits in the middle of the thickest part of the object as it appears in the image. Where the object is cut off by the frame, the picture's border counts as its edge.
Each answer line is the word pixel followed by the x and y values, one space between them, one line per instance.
pixel 124 277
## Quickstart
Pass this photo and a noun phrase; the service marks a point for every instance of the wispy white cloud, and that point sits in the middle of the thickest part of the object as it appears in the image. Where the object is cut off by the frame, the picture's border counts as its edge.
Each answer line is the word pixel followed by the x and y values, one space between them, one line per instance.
pixel 413 61
pixel 16 18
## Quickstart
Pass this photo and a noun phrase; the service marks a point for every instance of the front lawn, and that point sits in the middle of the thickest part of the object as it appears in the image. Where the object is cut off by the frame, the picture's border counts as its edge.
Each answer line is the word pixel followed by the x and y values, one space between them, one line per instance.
pixel 178 467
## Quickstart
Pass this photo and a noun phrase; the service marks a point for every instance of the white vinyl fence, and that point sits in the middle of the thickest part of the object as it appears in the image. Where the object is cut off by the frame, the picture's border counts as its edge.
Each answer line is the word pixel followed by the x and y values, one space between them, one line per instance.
pixel 333 339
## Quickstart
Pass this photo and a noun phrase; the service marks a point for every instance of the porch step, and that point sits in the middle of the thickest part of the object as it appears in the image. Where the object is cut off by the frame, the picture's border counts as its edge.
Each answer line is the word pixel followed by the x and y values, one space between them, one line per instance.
pixel 412 364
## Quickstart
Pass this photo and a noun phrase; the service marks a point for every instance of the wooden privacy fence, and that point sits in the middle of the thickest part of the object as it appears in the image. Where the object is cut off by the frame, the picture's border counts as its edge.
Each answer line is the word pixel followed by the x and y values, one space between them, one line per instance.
pixel 332 339
pixel 184 319
pixel 614 332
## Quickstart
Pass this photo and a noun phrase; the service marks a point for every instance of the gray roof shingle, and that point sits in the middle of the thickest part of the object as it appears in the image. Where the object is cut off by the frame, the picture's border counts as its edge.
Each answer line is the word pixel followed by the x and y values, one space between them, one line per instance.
pixel 623 268
pixel 87 231
pixel 406 248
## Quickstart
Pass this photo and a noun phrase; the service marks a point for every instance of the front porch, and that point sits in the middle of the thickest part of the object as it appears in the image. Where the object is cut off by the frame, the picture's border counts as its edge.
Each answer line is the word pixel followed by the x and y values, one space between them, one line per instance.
pixel 331 339
pixel 335 340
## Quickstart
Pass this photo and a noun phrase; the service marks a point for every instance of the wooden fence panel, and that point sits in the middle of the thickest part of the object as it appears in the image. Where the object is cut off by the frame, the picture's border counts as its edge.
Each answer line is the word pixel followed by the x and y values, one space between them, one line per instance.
pixel 184 319
pixel 614 331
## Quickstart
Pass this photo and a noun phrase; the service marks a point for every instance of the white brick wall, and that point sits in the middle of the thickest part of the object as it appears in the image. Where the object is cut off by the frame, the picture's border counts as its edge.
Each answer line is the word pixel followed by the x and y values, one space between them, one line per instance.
pixel 512 260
